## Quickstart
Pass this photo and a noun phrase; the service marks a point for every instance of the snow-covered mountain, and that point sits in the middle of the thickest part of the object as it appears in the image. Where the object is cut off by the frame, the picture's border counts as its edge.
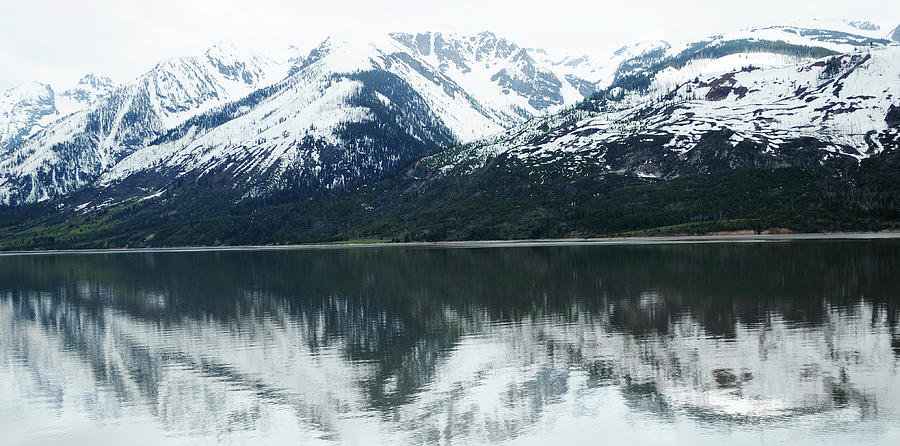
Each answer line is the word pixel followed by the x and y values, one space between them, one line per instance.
pixel 826 85
pixel 356 110
pixel 74 150
pixel 349 110
pixel 493 70
pixel 88 90
pixel 661 66
pixel 846 105
pixel 22 109
pixel 593 72
pixel 28 108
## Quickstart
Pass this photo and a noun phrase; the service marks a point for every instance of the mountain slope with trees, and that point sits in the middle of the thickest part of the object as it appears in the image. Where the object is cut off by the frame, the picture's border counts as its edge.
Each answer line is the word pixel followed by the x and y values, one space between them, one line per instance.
pixel 391 140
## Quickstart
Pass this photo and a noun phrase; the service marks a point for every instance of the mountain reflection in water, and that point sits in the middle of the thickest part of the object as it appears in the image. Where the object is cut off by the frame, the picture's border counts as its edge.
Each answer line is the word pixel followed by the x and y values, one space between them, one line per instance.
pixel 658 344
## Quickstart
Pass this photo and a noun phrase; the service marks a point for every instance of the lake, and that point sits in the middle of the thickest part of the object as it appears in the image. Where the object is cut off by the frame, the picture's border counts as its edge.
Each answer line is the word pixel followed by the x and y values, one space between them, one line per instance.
pixel 793 342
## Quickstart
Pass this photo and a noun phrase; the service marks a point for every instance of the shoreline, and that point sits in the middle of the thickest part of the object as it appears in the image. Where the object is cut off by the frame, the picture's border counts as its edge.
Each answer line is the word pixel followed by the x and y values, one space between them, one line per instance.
pixel 524 243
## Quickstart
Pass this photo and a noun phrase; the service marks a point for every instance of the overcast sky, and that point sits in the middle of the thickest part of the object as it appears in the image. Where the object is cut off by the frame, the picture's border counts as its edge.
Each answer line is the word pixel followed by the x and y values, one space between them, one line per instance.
pixel 59 40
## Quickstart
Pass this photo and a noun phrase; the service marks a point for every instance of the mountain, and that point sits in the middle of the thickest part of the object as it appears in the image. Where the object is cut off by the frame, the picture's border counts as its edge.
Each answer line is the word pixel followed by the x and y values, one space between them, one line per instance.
pixel 592 72
pixel 660 69
pixel 809 146
pixel 353 111
pixel 88 90
pixel 348 111
pixel 22 110
pixel 495 71
pixel 76 149
pixel 28 108
pixel 442 135
pixel 837 106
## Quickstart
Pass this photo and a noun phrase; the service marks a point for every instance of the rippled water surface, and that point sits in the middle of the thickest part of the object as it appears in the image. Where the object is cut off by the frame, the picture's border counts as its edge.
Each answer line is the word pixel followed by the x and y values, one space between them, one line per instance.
pixel 754 343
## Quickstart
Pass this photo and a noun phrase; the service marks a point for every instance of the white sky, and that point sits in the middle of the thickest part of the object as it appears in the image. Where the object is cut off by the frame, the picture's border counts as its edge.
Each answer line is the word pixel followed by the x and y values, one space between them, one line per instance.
pixel 57 41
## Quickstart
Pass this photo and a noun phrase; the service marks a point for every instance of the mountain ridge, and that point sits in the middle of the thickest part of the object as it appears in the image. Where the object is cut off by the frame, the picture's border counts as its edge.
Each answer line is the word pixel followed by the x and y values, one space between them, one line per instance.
pixel 476 123
pixel 496 96
pixel 475 84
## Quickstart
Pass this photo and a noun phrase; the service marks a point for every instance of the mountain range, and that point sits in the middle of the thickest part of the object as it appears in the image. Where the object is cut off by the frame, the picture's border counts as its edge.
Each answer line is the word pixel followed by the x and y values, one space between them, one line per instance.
pixel 383 136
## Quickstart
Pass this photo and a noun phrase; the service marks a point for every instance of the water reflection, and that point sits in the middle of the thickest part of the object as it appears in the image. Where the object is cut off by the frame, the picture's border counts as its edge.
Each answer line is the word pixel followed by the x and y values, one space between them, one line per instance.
pixel 658 344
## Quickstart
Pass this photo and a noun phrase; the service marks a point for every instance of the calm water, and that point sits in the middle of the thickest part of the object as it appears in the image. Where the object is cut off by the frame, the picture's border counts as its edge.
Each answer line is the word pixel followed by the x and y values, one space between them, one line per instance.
pixel 794 343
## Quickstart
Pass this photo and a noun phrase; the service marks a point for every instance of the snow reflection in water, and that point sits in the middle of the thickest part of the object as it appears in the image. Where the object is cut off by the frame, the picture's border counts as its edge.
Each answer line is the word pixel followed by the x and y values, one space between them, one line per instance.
pixel 646 344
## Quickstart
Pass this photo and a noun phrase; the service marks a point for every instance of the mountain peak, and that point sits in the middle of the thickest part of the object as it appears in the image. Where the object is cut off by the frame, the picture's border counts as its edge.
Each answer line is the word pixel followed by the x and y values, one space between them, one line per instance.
pixel 864 25
pixel 26 90
pixel 227 51
pixel 97 82
pixel 238 63
pixel 21 110
pixel 88 89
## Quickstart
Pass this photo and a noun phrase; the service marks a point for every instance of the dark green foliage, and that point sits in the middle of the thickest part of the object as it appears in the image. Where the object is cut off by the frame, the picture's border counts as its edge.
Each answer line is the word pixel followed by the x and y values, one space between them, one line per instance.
pixel 505 201
pixel 823 35
pixel 893 117
pixel 743 46
pixel 832 67
pixel 639 82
